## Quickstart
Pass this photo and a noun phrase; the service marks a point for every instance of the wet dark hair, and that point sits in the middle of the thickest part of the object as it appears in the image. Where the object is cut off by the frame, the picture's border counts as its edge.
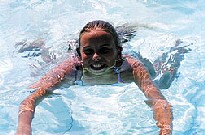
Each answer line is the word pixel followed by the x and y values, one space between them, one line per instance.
pixel 99 24
pixel 103 25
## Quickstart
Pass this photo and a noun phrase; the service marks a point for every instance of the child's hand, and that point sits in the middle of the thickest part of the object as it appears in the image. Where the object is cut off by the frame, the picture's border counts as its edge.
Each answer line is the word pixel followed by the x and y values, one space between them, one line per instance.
pixel 23 130
pixel 163 116
pixel 165 130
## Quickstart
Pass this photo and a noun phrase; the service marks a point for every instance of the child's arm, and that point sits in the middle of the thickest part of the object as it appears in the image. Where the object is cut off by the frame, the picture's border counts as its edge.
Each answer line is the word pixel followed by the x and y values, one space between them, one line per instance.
pixel 27 106
pixel 55 75
pixel 26 112
pixel 162 109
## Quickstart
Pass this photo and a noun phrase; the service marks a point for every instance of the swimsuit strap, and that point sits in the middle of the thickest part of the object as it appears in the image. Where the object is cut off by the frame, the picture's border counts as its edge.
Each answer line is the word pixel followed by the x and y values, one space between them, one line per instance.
pixel 117 71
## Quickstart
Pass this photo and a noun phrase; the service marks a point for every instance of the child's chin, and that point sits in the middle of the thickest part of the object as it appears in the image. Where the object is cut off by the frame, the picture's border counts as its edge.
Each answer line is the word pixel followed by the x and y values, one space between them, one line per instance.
pixel 98 72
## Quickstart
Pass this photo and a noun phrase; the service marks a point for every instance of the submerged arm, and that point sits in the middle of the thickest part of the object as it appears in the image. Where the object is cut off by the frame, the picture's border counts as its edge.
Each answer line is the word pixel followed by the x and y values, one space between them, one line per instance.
pixel 27 106
pixel 162 109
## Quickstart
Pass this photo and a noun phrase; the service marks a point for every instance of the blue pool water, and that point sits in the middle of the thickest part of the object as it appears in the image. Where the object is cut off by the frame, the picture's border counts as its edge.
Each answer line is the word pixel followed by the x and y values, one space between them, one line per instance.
pixel 117 109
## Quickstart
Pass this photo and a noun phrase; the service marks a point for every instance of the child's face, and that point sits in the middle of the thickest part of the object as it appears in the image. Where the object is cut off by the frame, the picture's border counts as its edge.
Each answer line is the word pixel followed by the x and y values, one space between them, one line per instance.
pixel 98 51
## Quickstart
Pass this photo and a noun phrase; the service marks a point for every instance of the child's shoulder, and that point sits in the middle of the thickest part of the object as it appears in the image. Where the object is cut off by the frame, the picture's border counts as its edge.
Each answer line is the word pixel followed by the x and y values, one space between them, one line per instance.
pixel 130 60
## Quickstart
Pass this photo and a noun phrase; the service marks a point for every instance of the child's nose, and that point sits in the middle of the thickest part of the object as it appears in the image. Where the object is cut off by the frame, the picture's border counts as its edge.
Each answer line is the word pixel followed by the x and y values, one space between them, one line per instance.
pixel 96 57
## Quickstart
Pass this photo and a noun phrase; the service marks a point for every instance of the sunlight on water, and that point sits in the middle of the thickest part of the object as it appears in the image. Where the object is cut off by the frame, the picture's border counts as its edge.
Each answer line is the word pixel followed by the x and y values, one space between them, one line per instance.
pixel 116 109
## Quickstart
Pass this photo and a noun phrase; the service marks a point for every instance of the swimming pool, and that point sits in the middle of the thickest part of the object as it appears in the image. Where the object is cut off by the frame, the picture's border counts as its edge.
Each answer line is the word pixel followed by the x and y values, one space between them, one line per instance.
pixel 112 109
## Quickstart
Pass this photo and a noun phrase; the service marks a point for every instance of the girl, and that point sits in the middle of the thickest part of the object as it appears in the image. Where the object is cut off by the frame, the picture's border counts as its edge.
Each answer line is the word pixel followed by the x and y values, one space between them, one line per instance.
pixel 99 61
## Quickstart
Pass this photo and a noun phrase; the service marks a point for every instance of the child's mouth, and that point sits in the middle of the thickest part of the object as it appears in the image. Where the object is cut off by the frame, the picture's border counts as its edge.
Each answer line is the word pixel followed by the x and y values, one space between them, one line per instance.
pixel 98 66
pixel 98 69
